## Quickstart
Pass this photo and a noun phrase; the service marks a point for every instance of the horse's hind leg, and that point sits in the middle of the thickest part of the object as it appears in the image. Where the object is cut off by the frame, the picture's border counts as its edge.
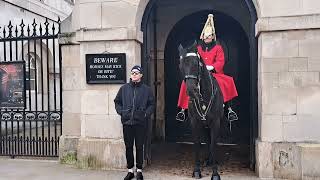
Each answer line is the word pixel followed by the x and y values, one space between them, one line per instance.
pixel 213 149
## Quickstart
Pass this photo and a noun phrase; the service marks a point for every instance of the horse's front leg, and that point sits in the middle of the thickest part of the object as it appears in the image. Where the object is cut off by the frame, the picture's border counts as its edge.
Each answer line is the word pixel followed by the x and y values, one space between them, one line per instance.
pixel 208 147
pixel 213 150
pixel 196 150
pixel 196 134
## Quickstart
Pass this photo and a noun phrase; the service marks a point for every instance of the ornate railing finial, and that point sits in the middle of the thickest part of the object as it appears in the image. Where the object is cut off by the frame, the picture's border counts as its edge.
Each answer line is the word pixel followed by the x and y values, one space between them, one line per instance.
pixel 34 25
pixel 10 29
pixel 22 25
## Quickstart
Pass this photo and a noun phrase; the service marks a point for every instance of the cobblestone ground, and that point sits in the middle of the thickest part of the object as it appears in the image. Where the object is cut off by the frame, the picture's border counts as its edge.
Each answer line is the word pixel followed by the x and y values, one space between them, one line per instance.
pixel 177 159
pixel 18 169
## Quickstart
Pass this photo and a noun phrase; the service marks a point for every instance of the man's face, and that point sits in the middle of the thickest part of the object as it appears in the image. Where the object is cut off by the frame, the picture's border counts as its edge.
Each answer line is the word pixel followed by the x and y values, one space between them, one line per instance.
pixel 136 76
pixel 208 39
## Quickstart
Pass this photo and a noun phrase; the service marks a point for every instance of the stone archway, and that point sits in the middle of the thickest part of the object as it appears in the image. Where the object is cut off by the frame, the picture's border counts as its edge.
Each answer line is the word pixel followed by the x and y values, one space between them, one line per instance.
pixel 144 7
pixel 155 36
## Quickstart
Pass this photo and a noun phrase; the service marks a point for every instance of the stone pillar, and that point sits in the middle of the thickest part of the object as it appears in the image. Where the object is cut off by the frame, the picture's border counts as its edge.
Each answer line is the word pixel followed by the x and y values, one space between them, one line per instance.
pixel 92 130
pixel 289 90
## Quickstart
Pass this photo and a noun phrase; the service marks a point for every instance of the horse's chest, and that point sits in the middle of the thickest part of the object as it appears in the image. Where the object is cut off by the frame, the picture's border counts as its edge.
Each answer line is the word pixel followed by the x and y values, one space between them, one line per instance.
pixel 200 111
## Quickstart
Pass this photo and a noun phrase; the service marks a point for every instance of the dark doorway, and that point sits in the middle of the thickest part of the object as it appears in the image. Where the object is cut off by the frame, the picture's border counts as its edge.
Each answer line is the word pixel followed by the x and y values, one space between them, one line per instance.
pixel 236 47
pixel 240 49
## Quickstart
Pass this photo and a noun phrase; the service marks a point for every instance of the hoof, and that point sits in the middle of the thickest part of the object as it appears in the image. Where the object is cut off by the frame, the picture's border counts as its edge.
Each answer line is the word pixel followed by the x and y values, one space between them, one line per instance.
pixel 215 177
pixel 196 175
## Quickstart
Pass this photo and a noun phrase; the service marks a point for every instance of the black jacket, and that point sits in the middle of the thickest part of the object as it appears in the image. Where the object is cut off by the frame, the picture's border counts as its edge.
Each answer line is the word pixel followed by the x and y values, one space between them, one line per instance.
pixel 134 103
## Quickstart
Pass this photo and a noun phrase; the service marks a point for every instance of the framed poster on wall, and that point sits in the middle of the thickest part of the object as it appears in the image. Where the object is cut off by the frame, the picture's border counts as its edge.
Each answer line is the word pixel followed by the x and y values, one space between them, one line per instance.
pixel 12 84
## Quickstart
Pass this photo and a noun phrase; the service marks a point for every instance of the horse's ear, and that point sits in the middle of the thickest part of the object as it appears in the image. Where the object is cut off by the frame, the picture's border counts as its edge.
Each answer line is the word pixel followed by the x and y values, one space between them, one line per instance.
pixel 180 48
pixel 194 43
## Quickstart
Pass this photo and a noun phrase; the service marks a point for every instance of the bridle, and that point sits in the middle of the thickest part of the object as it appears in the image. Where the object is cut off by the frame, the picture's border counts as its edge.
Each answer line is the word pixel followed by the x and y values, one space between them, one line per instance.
pixel 196 77
pixel 201 110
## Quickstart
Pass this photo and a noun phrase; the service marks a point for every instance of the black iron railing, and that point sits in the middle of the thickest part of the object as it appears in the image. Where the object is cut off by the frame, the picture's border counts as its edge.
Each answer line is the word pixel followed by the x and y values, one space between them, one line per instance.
pixel 34 128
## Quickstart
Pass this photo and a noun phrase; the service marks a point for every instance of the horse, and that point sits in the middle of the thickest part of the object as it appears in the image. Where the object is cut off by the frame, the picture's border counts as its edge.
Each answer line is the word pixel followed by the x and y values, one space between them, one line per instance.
pixel 205 108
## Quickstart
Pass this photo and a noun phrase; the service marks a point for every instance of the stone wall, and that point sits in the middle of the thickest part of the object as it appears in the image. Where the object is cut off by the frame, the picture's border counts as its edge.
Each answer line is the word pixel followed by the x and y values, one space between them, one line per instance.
pixel 281 8
pixel 290 85
pixel 288 160
pixel 90 121
pixel 289 89
pixel 89 114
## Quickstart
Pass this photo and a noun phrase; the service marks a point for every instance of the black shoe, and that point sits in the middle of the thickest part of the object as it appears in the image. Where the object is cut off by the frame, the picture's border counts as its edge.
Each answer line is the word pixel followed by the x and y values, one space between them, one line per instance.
pixel 129 176
pixel 139 176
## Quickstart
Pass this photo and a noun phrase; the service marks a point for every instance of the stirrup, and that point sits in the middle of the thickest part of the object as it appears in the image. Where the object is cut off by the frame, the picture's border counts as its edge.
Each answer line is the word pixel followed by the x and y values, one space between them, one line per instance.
pixel 181 116
pixel 232 116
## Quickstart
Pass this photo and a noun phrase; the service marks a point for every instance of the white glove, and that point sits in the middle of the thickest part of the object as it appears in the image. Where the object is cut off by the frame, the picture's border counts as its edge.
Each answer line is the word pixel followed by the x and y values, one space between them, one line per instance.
pixel 209 68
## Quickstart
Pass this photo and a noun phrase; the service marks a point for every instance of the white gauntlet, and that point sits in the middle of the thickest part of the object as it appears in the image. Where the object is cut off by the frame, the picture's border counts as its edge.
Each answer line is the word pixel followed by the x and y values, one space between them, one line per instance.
pixel 209 68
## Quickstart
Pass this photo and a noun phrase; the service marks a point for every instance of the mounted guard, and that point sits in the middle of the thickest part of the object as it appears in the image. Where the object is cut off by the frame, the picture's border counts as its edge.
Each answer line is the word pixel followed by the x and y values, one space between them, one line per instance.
pixel 213 56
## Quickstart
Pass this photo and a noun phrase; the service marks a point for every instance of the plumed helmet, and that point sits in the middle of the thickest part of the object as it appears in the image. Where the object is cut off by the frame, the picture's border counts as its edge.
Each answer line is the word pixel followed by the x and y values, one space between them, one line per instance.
pixel 208 29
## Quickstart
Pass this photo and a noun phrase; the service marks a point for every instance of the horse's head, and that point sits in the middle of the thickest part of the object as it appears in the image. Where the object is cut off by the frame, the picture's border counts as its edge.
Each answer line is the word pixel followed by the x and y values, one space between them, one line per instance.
pixel 190 67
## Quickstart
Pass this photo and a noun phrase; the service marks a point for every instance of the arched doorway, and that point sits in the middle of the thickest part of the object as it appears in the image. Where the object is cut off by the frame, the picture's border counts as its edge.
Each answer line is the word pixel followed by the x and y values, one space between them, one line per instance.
pixel 236 47
pixel 235 30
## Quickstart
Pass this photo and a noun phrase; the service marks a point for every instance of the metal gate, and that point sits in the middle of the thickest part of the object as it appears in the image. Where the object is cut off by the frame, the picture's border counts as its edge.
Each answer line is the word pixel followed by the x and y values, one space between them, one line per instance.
pixel 30 89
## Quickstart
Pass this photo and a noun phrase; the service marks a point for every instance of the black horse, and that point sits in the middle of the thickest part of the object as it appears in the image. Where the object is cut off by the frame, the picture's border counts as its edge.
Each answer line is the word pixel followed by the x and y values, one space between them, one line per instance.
pixel 205 104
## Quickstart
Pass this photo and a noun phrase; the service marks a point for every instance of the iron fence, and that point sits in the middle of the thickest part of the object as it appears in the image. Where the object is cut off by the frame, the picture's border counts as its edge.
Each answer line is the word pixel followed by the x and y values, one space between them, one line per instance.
pixel 30 104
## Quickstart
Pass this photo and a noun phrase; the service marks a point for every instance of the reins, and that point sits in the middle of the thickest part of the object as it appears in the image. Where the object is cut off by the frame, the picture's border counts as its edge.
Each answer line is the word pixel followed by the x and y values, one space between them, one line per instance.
pixel 201 110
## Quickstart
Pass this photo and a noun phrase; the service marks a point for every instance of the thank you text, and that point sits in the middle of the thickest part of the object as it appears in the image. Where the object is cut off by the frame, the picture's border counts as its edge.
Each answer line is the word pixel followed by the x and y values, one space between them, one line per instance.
pixel 106 68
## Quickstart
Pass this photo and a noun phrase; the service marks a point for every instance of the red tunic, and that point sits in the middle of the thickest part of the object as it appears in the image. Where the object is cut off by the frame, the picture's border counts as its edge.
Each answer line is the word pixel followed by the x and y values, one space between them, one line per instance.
pixel 215 58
